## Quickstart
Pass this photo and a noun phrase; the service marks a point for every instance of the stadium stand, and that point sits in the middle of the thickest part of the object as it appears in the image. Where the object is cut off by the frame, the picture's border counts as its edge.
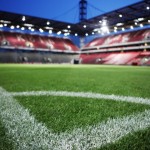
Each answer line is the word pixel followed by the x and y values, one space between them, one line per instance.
pixel 131 48
pixel 27 48
pixel 133 36
pixel 122 48
pixel 36 42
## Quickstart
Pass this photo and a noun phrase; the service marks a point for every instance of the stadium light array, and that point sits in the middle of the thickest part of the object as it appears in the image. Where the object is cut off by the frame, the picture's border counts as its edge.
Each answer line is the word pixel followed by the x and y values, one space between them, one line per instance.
pixel 84 26
pixel 65 34
pixel 50 31
pixel 120 15
pixel 131 27
pixel 68 33
pixel 48 28
pixel 22 28
pixel 59 32
pixel 141 25
pixel 23 18
pixel 115 31
pixel 32 29
pixel 48 23
pixel 119 24
pixel 1 25
pixel 17 26
pixel 4 21
pixel 123 29
pixel 76 34
pixel 104 26
pixel 41 30
pixel 65 30
pixel 140 19
pixel 115 28
pixel 86 34
pixel 28 25
pixel 12 27
pixel 135 23
pixel 99 31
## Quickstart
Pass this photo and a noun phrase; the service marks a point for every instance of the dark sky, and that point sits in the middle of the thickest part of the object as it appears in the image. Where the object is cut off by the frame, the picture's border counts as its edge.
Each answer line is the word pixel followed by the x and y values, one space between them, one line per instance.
pixel 62 10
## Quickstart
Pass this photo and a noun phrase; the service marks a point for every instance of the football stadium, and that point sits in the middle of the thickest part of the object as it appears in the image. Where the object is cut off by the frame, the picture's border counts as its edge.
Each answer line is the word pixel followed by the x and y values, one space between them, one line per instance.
pixel 75 75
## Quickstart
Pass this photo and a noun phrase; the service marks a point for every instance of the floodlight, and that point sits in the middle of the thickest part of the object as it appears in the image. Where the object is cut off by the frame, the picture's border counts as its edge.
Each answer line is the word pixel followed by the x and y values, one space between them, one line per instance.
pixel 17 26
pixel 131 27
pixel 141 25
pixel 50 31
pixel 22 28
pixel 84 26
pixel 68 26
pixel 12 27
pixel 1 25
pixel 147 7
pixel 48 23
pixel 120 15
pixel 32 29
pixel 104 26
pixel 23 18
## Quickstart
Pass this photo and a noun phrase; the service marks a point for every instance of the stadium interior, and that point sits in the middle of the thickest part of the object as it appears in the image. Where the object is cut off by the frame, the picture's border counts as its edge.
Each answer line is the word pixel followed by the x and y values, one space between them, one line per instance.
pixel 75 85
pixel 125 41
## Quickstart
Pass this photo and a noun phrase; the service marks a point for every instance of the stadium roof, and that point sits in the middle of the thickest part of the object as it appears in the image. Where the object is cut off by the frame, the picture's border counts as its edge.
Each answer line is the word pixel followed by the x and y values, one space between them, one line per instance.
pixel 131 16
pixel 134 15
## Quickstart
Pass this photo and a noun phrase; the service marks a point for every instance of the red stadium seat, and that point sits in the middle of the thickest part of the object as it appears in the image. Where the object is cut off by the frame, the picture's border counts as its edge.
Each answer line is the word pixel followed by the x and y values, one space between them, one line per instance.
pixel 36 42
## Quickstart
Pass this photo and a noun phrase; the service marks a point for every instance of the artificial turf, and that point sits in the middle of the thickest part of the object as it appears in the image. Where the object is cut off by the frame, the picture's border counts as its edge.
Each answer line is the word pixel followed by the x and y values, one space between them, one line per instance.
pixel 120 80
pixel 64 113
pixel 5 142
pixel 135 141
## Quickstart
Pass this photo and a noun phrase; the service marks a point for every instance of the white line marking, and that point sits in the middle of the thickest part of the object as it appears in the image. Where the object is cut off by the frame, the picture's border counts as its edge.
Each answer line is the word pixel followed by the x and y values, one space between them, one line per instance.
pixel 84 95
pixel 24 130
pixel 28 134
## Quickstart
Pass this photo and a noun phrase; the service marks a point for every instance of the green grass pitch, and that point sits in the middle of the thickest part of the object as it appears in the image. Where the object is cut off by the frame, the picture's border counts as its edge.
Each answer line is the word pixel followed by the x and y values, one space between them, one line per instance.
pixel 64 114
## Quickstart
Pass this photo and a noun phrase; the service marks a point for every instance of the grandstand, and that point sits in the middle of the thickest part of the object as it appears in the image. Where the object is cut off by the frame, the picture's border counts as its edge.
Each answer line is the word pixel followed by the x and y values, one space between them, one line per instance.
pixel 22 41
pixel 131 48
pixel 27 48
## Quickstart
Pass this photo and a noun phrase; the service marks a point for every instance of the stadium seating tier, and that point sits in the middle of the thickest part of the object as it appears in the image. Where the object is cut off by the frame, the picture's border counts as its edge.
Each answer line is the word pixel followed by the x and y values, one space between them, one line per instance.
pixel 36 42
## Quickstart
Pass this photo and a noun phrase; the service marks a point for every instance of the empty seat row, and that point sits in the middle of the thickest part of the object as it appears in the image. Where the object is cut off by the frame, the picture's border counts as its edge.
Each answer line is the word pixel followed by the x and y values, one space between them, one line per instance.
pixel 133 36
pixel 19 40
pixel 117 58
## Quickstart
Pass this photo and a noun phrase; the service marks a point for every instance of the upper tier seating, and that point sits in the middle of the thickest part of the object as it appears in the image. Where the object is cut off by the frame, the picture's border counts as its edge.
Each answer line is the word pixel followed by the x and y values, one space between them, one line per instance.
pixel 36 42
pixel 131 48
pixel 121 38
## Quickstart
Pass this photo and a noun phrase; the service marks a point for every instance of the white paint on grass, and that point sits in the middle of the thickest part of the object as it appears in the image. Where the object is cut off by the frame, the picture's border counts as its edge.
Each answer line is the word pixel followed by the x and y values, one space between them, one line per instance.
pixel 24 130
pixel 28 134
pixel 84 95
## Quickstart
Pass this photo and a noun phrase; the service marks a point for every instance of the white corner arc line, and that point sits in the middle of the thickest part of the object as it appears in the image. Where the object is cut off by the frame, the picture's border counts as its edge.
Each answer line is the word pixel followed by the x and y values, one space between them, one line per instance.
pixel 28 134
pixel 84 95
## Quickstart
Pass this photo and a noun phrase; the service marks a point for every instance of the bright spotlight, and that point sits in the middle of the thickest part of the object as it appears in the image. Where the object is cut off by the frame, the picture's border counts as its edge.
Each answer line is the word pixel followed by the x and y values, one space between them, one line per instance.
pixel 104 26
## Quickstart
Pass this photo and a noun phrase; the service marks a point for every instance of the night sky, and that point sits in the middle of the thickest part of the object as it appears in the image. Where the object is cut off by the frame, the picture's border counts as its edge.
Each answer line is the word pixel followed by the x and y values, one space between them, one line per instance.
pixel 62 10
